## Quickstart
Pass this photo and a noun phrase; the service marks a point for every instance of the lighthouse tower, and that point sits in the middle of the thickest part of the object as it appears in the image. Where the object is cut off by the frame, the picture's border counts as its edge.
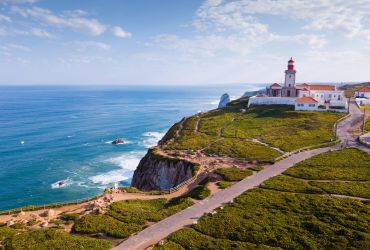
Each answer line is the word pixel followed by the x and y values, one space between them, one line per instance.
pixel 290 75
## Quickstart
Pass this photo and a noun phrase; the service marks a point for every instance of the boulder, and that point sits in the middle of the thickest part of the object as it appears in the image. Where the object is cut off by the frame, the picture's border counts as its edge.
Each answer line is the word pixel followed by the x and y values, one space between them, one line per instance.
pixel 224 100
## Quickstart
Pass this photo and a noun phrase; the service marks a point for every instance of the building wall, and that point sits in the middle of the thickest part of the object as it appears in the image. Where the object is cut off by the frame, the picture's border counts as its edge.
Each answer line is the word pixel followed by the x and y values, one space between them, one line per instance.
pixel 306 106
pixel 363 94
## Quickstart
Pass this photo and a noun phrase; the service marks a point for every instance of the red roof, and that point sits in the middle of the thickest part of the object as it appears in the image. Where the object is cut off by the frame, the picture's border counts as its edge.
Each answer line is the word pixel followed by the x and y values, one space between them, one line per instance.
pixel 305 89
pixel 275 85
pixel 323 87
pixel 364 89
pixel 306 99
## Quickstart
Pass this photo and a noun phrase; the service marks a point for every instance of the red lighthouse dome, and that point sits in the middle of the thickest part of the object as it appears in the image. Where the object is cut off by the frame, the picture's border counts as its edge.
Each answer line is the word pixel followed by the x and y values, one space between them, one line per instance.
pixel 291 64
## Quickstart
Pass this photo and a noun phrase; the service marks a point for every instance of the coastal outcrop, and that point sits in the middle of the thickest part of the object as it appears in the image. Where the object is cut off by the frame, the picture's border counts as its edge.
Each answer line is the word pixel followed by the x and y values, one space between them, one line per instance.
pixel 159 172
pixel 224 100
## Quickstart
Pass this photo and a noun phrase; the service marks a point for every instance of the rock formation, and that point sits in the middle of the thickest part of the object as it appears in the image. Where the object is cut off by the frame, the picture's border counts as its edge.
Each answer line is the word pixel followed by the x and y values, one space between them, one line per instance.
pixel 225 99
pixel 157 172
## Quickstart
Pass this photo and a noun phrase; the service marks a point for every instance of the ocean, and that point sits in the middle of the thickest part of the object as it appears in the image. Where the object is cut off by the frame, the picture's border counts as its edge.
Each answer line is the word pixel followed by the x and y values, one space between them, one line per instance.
pixel 49 134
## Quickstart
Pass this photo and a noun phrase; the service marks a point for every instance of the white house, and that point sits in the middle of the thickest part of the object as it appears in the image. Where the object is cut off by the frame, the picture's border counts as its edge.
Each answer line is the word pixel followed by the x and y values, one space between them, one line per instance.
pixel 363 93
pixel 321 97
pixel 306 103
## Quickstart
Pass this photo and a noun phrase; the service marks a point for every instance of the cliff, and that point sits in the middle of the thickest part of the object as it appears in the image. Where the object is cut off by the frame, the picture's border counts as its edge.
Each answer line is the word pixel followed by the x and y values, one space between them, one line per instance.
pixel 157 172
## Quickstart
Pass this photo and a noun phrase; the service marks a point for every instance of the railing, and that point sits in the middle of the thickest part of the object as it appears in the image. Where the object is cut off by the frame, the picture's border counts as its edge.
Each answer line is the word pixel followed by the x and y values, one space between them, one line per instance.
pixel 174 189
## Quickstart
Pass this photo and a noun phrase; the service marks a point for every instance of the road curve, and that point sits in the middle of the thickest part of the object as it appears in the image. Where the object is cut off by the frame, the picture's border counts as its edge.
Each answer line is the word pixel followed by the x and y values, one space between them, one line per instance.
pixel 162 229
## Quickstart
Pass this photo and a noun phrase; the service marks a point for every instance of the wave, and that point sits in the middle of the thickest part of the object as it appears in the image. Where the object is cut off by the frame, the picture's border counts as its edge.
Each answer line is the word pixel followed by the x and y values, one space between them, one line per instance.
pixel 127 163
pixel 125 142
pixel 151 139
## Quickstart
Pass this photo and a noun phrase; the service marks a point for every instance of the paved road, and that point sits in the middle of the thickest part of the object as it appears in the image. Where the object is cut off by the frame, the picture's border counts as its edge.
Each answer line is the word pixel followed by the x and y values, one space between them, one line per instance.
pixel 162 229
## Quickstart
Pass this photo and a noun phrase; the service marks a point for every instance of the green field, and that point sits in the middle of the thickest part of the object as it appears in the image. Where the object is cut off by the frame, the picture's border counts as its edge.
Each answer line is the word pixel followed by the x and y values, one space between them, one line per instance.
pixel 359 189
pixel 50 239
pixel 289 184
pixel 124 218
pixel 276 219
pixel 233 174
pixel 223 132
pixel 347 164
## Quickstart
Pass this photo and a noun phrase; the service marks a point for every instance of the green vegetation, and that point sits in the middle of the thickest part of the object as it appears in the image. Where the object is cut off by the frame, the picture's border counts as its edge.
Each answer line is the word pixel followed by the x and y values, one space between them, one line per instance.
pixel 105 224
pixel 359 189
pixel 239 148
pixel 70 217
pixel 224 184
pixel 223 131
pixel 276 125
pixel 199 193
pixel 188 238
pixel 126 217
pixel 346 164
pixel 256 168
pixel 233 174
pixel 6 233
pixel 288 184
pixel 367 125
pixel 54 239
pixel 288 221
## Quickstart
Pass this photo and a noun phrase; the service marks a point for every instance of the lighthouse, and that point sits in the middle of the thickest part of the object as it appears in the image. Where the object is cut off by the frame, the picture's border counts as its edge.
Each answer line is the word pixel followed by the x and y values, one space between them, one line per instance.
pixel 290 75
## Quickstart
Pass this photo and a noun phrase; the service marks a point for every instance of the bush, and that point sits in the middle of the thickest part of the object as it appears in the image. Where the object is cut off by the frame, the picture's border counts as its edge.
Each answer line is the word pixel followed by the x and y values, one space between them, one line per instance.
pixel 240 148
pixel 289 184
pixel 346 164
pixel 359 189
pixel 53 239
pixel 233 174
pixel 6 233
pixel 70 217
pixel 105 224
pixel 224 184
pixel 199 192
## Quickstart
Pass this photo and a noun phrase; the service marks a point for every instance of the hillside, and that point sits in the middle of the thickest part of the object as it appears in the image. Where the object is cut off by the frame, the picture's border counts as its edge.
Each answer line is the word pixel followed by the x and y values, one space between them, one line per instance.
pixel 351 88
pixel 296 210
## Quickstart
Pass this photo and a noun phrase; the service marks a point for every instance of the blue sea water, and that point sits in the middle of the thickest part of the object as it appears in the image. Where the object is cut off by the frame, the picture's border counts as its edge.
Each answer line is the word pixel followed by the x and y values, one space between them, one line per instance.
pixel 48 134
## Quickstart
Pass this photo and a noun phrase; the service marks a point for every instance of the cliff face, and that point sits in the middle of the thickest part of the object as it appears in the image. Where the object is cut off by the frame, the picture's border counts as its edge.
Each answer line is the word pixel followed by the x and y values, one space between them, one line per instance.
pixel 156 172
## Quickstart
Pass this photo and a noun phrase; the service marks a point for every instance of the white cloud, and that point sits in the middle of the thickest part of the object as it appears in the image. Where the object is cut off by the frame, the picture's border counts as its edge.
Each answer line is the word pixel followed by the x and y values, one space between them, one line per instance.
pixel 119 32
pixel 18 1
pixel 4 18
pixel 85 25
pixel 41 33
pixel 83 45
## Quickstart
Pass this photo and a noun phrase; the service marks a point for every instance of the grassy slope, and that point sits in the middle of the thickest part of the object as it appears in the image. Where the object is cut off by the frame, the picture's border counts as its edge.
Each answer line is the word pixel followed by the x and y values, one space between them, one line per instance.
pixel 223 131
pixel 302 219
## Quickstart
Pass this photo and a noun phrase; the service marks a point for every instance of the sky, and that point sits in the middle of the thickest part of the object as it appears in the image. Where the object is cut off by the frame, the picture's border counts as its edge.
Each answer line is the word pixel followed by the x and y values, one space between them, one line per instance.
pixel 182 42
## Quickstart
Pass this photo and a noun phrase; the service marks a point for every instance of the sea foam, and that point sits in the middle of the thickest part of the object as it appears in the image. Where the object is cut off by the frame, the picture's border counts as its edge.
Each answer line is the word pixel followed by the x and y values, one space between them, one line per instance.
pixel 151 139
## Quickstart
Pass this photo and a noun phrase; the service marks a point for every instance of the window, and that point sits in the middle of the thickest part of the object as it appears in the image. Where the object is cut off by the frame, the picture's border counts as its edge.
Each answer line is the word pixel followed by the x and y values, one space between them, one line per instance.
pixel 311 105
pixel 288 93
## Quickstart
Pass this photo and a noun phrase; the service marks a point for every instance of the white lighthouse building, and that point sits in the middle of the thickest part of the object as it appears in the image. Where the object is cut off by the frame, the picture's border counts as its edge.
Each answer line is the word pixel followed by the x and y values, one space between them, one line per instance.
pixel 302 96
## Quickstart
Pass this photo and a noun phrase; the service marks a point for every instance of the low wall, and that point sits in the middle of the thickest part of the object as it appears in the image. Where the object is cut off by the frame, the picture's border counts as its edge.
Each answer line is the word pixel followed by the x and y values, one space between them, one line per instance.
pixel 271 101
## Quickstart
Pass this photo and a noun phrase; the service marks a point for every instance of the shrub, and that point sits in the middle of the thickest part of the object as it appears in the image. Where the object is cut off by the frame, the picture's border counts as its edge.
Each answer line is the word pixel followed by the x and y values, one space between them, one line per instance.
pixel 233 174
pixel 346 164
pixel 359 189
pixel 199 192
pixel 224 184
pixel 53 239
pixel 6 233
pixel 289 184
pixel 70 217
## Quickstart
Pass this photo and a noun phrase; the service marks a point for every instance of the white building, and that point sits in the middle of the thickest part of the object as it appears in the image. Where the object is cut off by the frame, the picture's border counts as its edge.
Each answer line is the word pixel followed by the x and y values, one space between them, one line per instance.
pixel 363 93
pixel 319 97
pixel 306 103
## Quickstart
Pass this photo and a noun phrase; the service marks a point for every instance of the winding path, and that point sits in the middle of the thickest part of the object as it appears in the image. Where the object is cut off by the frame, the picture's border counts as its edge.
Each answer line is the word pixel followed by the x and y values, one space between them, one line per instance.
pixel 162 229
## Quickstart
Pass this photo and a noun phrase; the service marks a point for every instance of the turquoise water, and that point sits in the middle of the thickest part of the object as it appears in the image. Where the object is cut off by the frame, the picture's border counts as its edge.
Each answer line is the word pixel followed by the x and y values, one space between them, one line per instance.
pixel 48 134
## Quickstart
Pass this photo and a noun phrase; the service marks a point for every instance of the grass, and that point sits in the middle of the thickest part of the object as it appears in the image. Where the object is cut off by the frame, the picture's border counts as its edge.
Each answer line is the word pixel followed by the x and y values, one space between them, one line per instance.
pixel 93 224
pixel 276 125
pixel 289 184
pixel 124 218
pixel 346 164
pixel 53 239
pixel 248 150
pixel 225 184
pixel 290 221
pixel 199 193
pixel 358 189
pixel 189 238
pixel 6 233
pixel 233 174
pixel 367 125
